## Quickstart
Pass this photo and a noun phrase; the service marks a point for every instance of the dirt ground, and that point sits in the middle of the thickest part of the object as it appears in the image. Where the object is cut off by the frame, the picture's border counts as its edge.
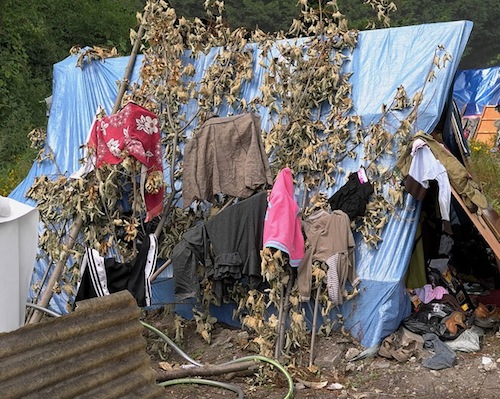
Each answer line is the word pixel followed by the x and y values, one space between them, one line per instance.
pixel 374 377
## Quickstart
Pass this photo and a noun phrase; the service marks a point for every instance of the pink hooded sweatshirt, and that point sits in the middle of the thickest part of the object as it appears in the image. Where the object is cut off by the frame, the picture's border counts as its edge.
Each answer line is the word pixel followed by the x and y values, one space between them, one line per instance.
pixel 282 224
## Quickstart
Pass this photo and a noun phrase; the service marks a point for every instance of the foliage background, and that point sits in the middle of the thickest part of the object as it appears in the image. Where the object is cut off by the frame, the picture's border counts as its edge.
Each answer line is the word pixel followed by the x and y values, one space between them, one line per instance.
pixel 34 35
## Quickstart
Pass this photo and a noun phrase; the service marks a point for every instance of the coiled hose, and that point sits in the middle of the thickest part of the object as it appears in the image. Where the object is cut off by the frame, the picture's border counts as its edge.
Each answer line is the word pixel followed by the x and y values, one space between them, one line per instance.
pixel 230 387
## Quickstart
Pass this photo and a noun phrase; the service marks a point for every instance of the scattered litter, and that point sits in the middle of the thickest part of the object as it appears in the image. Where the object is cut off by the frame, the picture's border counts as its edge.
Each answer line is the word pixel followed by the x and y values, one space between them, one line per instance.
pixel 352 353
pixel 313 384
pixel 299 386
pixel 335 386
pixel 487 364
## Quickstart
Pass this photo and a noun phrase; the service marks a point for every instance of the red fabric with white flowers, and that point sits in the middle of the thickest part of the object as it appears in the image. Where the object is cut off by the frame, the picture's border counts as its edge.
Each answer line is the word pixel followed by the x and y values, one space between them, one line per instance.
pixel 132 131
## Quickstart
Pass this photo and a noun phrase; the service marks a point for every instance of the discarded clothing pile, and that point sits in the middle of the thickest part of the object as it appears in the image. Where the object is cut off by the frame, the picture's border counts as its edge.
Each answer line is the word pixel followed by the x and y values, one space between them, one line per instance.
pixel 445 317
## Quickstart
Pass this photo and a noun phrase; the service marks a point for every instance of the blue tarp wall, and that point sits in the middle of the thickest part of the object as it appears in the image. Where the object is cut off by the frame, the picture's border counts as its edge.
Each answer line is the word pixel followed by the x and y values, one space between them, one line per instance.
pixel 475 88
pixel 382 61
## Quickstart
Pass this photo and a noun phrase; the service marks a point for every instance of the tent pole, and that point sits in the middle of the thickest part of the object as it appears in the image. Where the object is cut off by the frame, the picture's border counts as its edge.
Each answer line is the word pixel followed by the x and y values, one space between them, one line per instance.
pixel 78 222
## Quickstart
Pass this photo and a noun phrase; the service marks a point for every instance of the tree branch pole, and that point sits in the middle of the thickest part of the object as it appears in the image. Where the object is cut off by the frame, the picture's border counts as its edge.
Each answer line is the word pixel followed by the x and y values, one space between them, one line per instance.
pixel 78 222
pixel 282 322
pixel 56 274
pixel 205 371
pixel 278 346
pixel 315 319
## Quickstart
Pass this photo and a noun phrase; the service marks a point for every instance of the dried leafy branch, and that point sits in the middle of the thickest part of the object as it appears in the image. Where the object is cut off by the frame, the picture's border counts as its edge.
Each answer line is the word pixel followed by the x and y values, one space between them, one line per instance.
pixel 313 129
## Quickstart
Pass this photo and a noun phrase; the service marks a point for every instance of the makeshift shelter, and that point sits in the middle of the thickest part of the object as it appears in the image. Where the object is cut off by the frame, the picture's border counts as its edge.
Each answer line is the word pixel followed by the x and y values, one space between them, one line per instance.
pixel 382 61
pixel 473 89
pixel 477 94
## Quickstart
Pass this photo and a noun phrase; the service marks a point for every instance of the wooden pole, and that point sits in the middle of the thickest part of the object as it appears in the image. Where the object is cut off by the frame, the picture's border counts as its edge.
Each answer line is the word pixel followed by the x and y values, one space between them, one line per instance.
pixel 78 222
pixel 160 269
pixel 313 329
pixel 204 371
pixel 282 322
pixel 56 274
pixel 277 348
pixel 130 67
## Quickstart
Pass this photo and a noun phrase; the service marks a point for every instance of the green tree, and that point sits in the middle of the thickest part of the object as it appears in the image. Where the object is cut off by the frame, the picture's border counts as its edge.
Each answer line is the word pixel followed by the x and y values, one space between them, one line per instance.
pixel 267 15
pixel 483 48
pixel 484 44
pixel 20 91
pixel 34 35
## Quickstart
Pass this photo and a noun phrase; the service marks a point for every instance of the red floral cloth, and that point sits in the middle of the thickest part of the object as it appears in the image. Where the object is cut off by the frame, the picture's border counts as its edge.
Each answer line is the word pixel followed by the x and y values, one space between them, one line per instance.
pixel 132 131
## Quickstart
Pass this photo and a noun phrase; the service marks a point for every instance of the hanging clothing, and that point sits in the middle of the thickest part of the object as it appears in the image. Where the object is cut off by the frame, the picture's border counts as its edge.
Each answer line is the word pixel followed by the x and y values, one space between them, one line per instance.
pixel 416 276
pixel 330 241
pixel 227 247
pixel 352 197
pixel 132 131
pixel 190 252
pixel 235 237
pixel 458 175
pixel 282 225
pixel 225 156
pixel 425 167
pixel 101 276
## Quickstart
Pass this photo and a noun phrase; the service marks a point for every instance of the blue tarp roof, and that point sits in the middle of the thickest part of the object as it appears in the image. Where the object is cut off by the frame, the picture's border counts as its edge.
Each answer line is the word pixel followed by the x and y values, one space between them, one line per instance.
pixel 475 88
pixel 382 61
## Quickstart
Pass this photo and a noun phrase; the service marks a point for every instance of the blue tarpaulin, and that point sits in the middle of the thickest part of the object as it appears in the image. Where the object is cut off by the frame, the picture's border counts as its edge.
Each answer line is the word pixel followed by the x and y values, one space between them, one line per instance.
pixel 382 61
pixel 475 88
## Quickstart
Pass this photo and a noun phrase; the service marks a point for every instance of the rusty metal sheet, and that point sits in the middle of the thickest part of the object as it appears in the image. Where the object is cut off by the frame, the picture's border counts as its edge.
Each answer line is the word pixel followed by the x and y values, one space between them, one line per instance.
pixel 97 351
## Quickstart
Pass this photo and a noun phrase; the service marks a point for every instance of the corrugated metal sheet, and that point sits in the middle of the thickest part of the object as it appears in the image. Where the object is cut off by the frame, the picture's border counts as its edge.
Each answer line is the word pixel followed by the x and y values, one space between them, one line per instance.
pixel 97 351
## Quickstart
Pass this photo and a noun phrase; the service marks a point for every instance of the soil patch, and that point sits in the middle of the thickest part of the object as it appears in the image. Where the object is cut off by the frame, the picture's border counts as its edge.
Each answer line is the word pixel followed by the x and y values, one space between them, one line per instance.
pixel 336 377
